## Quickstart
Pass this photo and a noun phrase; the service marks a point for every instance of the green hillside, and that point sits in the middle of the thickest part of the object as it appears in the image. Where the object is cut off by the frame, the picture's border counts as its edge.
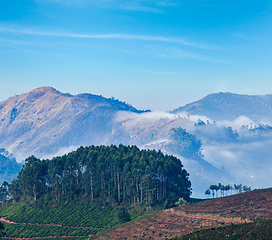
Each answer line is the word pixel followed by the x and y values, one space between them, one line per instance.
pixel 89 191
pixel 72 220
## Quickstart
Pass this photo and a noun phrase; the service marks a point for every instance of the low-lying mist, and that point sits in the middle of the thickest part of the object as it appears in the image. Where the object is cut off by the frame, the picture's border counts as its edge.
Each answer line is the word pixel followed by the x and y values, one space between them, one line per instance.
pixel 232 152
pixel 233 149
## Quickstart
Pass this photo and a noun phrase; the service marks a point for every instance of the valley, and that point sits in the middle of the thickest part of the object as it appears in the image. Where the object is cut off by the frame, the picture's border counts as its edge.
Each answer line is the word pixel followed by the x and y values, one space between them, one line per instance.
pixel 98 168
pixel 46 123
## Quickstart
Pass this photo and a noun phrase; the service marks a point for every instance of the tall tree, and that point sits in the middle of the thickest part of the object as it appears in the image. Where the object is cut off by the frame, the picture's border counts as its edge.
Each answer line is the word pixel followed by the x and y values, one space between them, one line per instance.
pixel 213 188
pixel 208 192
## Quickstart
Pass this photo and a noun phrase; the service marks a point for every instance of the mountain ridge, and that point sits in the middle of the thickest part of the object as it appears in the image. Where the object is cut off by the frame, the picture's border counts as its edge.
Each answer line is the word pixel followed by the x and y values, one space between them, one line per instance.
pixel 46 123
pixel 36 121
pixel 229 106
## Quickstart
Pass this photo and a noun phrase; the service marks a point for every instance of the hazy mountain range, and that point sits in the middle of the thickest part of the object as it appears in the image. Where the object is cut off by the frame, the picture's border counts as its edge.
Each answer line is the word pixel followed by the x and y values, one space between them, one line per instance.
pixel 46 122
pixel 229 106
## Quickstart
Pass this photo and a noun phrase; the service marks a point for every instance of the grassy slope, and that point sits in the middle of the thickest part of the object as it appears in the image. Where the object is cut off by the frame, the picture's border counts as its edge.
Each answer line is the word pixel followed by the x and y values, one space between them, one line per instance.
pixel 79 220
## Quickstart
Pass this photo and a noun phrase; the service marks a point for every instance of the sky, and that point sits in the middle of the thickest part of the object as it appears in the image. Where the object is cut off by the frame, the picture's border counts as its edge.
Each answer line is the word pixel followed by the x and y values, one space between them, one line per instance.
pixel 153 54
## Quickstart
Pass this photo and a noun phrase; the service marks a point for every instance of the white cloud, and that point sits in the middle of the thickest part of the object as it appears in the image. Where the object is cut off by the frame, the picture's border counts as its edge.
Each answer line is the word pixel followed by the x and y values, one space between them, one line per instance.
pixel 237 123
pixel 131 5
pixel 60 152
pixel 140 8
pixel 123 116
pixel 30 31
pixel 176 53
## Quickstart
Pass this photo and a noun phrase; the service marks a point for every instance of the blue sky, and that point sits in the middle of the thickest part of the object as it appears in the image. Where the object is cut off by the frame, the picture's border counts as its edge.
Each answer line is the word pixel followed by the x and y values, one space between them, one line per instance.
pixel 156 55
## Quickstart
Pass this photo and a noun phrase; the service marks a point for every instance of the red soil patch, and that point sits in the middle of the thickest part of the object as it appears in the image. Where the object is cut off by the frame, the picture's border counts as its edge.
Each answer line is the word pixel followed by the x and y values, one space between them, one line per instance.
pixel 158 226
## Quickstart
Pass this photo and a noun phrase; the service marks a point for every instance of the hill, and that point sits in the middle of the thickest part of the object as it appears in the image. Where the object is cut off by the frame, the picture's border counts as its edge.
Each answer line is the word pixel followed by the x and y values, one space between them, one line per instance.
pixel 82 217
pixel 209 214
pixel 47 123
pixel 229 106
pixel 122 175
pixel 247 231
pixel 44 120
pixel 71 221
pixel 111 184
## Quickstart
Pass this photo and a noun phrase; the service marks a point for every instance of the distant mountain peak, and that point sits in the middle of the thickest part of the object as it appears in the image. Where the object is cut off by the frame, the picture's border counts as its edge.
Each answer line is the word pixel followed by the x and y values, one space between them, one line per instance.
pixel 44 89
pixel 228 106
pixel 48 89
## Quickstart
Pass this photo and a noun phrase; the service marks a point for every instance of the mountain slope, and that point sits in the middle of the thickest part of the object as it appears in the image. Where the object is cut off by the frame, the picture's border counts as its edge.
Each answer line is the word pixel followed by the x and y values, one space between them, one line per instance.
pixel 45 120
pixel 45 123
pixel 228 106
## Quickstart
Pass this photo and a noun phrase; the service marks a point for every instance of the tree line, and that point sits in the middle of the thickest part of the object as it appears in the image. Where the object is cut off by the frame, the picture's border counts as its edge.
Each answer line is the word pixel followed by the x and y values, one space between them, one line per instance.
pixel 121 174
pixel 213 189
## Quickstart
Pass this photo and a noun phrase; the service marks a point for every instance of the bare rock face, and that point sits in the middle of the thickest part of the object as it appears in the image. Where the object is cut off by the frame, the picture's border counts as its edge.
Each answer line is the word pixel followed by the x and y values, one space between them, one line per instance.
pixel 45 120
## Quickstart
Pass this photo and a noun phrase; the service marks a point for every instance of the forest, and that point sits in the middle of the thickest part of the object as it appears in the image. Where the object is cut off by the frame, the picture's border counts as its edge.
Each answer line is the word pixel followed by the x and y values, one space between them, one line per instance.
pixel 120 174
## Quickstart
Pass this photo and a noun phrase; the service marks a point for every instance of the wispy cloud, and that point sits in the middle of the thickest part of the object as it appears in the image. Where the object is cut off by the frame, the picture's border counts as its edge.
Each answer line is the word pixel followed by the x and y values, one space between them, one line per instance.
pixel 162 73
pixel 176 53
pixel 246 37
pixel 140 8
pixel 130 5
pixel 147 5
pixel 29 31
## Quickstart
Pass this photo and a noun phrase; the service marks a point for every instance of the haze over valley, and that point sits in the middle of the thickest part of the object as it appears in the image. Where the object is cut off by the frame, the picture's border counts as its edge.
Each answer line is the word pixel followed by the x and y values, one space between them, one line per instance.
pixel 135 119
pixel 213 147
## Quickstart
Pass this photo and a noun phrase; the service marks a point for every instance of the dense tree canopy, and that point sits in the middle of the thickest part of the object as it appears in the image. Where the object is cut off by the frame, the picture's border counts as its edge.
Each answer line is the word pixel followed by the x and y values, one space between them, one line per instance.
pixel 122 173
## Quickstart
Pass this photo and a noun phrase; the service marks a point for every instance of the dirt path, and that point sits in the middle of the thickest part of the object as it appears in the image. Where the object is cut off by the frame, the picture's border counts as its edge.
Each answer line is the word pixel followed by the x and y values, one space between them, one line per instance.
pixel 208 217
pixel 4 220
pixel 38 237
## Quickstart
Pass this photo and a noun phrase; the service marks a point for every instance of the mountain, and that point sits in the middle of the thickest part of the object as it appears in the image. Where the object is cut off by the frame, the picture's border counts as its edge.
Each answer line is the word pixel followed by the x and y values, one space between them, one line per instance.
pixel 229 106
pixel 44 120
